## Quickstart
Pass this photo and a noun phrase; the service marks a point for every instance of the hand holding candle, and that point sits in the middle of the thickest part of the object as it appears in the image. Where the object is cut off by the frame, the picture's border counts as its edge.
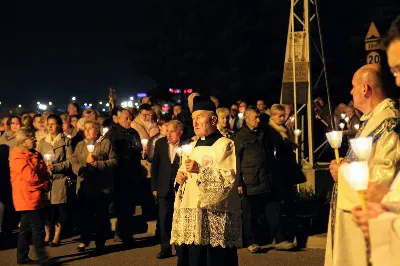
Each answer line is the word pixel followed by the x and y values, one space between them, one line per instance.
pixel 356 126
pixel 335 140
pixel 144 147
pixel 179 152
pixel 240 115
pixel 341 125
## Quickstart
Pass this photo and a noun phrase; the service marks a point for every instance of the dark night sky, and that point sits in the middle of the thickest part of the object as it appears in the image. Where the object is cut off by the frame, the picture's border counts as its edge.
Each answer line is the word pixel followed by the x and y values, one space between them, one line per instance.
pixel 51 50
pixel 72 49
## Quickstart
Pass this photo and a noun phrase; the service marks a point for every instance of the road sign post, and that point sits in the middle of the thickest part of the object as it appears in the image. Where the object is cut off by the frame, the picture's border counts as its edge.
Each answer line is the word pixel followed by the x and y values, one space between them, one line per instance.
pixel 372 45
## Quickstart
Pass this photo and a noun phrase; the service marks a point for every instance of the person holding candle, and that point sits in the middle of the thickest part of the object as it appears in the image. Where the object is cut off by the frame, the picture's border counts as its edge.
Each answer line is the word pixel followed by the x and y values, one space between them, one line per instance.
pixel 353 119
pixel 380 223
pixel 94 185
pixel 164 168
pixel 30 181
pixel 127 174
pixel 379 121
pixel 206 224
pixel 59 148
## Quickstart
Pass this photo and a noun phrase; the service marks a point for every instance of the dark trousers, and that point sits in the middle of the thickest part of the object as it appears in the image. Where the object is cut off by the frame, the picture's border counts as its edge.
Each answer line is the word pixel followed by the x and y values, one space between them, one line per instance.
pixel 165 213
pixel 256 206
pixel 197 255
pixel 94 222
pixel 32 227
pixel 124 210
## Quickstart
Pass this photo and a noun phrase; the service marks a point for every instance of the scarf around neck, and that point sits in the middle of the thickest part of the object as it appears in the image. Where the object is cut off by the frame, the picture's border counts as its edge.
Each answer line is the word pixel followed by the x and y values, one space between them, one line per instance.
pixel 280 129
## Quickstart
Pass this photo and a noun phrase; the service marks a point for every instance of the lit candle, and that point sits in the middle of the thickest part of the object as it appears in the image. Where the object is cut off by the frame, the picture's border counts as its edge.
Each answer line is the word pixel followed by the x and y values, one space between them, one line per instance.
pixel 335 140
pixel 179 152
pixel 297 132
pixel 356 126
pixel 105 130
pixel 292 119
pixel 47 158
pixel 240 115
pixel 343 115
pixel 341 125
pixel 144 142
pixel 90 148
pixel 357 176
pixel 362 147
pixel 347 119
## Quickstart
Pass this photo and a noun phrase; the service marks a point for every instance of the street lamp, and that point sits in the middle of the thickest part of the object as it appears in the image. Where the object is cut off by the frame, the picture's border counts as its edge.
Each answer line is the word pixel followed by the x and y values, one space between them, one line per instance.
pixel 90 105
pixel 131 98
pixel 38 103
pixel 100 103
pixel 50 103
pixel 73 98
pixel 19 105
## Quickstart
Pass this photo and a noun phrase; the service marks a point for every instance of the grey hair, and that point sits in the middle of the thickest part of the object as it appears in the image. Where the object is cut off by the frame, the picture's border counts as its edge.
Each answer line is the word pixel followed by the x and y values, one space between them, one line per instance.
pixel 23 134
pixel 177 124
pixel 81 123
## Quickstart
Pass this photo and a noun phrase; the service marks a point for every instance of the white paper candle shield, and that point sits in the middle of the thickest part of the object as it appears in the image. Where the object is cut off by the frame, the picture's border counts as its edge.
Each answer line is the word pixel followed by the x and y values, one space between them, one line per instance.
pixel 335 139
pixel 356 174
pixel 48 157
pixel 240 115
pixel 343 115
pixel 90 148
pixel 356 126
pixel 179 151
pixel 144 142
pixel 341 125
pixel 105 130
pixel 187 150
pixel 297 132
pixel 347 119
pixel 362 147
pixel 292 119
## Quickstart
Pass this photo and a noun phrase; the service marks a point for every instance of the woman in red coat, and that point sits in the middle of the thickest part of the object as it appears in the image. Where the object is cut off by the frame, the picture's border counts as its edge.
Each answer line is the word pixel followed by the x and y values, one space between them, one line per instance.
pixel 30 183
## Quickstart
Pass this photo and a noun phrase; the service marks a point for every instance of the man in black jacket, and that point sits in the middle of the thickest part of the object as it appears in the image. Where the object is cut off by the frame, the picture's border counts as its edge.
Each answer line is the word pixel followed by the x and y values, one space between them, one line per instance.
pixel 164 167
pixel 255 182
pixel 127 174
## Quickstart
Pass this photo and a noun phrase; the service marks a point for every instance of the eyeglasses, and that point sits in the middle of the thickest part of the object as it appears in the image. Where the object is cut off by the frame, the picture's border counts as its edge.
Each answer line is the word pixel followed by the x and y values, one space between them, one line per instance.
pixel 395 70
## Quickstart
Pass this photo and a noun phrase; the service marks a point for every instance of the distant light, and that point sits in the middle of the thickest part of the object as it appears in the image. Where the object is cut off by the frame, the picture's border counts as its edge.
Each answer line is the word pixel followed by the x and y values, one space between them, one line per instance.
pixel 124 104
pixel 141 95
pixel 73 98
pixel 100 102
pixel 130 104
pixel 107 104
pixel 38 103
pixel 90 104
pixel 0 103
pixel 136 104
pixel 131 98
pixel 104 110
pixel 19 105
pixel 50 103
pixel 85 104
pixel 166 104
pixel 42 107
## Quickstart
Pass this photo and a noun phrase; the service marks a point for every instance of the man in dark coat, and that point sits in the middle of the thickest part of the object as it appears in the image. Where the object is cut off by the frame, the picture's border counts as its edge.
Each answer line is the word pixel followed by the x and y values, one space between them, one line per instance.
pixel 254 179
pixel 127 174
pixel 165 165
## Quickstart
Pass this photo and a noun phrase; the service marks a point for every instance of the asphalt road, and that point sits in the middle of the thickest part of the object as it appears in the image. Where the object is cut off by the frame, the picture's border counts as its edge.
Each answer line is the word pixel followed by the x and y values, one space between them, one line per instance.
pixel 146 249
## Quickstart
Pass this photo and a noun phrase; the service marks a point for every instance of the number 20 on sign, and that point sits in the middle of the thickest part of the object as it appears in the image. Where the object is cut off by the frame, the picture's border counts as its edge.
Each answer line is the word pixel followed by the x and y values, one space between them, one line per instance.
pixel 373 58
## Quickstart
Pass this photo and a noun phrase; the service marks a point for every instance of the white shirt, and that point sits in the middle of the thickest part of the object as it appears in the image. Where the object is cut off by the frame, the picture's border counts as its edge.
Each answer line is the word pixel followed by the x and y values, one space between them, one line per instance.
pixel 172 150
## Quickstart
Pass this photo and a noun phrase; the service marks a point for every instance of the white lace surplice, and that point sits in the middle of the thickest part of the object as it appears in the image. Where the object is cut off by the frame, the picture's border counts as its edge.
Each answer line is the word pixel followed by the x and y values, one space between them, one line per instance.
pixel 209 210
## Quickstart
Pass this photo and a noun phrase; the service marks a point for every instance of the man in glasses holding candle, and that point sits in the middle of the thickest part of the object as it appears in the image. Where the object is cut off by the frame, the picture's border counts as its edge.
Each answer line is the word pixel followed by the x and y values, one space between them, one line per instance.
pixel 127 174
pixel 380 223
pixel 207 218
pixel 346 244
pixel 164 167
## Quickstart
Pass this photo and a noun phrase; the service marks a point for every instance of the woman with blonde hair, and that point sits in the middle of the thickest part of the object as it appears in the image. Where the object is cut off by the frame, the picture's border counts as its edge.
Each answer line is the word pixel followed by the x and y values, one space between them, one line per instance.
pixel 223 122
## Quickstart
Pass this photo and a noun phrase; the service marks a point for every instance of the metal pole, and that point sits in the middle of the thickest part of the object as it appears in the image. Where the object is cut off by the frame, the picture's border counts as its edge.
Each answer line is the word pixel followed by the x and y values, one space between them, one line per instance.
pixel 309 106
pixel 294 75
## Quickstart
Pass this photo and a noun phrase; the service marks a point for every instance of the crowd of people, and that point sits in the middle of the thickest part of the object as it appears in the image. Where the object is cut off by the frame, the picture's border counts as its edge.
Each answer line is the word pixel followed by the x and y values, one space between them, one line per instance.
pixel 213 172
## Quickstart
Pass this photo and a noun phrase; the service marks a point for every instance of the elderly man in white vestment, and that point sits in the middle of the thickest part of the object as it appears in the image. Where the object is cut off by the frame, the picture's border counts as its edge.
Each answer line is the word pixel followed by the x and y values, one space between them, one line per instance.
pixel 381 222
pixel 346 245
pixel 207 225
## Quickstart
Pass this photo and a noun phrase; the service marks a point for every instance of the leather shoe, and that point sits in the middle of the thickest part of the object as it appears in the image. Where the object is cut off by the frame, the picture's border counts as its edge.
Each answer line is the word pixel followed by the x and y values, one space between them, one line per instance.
pixel 163 255
pixel 54 244
pixel 28 261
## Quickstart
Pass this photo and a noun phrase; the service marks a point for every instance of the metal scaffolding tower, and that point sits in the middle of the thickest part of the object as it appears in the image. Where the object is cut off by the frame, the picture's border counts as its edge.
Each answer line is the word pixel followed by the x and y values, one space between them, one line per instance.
pixel 298 85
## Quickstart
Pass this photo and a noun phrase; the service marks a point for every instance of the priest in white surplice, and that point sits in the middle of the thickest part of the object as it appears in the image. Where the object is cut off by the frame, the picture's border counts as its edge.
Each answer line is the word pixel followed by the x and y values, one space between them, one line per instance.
pixel 207 216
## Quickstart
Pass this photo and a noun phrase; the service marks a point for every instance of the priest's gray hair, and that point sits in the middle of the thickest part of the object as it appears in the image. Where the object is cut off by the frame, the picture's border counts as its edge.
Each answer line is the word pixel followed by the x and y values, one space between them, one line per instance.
pixel 23 134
